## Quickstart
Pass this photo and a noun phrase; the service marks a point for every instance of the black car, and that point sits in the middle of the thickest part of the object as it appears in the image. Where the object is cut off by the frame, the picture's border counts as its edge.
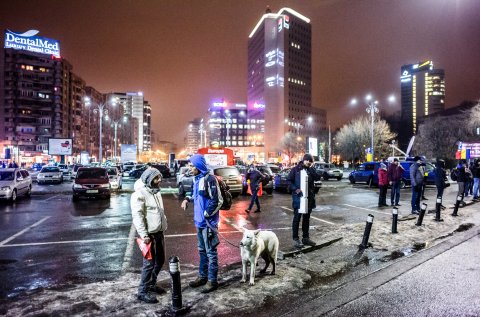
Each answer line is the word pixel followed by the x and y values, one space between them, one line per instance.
pixel 280 182
pixel 163 169
pixel 136 173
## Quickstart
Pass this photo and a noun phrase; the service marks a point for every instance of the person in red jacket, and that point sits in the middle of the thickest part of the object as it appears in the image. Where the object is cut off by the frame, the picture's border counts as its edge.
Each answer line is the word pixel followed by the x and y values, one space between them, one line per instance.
pixel 383 185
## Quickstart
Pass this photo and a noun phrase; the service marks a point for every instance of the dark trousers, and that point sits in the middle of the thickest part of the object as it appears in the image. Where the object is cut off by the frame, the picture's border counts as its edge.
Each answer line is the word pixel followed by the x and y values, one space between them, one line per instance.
pixel 305 223
pixel 440 191
pixel 382 198
pixel 152 267
pixel 254 198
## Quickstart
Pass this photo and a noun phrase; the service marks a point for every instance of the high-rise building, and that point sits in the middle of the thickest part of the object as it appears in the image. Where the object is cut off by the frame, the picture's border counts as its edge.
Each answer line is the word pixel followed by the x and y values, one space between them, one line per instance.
pixel 196 136
pixel 280 79
pixel 228 125
pixel 422 94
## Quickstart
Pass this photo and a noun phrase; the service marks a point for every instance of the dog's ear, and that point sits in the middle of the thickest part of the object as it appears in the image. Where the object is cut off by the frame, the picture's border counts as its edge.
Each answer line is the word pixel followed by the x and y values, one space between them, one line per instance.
pixel 256 232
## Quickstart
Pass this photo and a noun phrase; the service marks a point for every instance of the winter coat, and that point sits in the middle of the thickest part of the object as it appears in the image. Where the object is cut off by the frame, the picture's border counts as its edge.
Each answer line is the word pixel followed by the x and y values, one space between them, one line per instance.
pixel 205 195
pixel 461 174
pixel 255 177
pixel 416 174
pixel 148 213
pixel 395 172
pixel 476 171
pixel 294 178
pixel 382 177
pixel 440 176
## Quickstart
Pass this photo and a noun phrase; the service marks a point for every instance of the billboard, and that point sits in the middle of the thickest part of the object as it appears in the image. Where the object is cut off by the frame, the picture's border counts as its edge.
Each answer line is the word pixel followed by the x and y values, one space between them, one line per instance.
pixel 312 146
pixel 29 42
pixel 60 146
pixel 128 153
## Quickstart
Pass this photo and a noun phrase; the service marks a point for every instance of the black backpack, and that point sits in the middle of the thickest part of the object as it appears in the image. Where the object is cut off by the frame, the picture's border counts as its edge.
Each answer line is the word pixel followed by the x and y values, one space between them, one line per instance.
pixel 454 175
pixel 225 192
pixel 265 179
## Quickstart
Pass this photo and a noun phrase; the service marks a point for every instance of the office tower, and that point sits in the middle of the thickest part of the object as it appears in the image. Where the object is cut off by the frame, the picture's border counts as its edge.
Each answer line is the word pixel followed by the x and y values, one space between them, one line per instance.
pixel 196 136
pixel 422 94
pixel 228 125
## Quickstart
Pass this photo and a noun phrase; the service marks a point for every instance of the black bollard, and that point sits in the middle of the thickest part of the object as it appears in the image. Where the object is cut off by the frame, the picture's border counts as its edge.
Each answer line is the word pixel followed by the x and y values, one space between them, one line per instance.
pixel 438 207
pixel 366 233
pixel 177 307
pixel 457 203
pixel 394 220
pixel 423 209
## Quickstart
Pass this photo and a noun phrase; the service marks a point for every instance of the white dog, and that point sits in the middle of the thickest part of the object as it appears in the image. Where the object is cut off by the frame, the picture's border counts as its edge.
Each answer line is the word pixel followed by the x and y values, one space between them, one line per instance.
pixel 256 243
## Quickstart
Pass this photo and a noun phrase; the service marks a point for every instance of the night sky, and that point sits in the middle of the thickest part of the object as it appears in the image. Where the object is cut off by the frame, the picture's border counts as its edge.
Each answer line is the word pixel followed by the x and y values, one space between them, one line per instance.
pixel 184 54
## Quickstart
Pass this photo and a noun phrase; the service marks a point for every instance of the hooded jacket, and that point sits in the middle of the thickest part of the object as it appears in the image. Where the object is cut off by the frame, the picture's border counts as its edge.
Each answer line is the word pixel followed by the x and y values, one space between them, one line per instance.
pixel 416 174
pixel 382 176
pixel 148 213
pixel 205 194
pixel 294 178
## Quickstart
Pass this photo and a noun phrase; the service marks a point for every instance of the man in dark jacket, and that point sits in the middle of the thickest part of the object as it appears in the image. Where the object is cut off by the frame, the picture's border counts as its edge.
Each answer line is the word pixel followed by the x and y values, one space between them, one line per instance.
pixel 440 176
pixel 476 178
pixel 255 177
pixel 295 187
pixel 395 173
pixel 416 178
pixel 461 179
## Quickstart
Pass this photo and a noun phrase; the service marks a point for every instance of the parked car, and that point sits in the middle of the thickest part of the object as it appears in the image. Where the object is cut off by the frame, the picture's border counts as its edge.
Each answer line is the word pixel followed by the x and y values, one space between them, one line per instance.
pixel 163 169
pixel 365 173
pixel 91 182
pixel 232 178
pixel 14 182
pixel 328 170
pixel 265 169
pixel 50 174
pixel 429 169
pixel 280 181
pixel 184 181
pixel 67 174
pixel 114 177
pixel 37 166
pixel 75 169
pixel 274 168
pixel 138 171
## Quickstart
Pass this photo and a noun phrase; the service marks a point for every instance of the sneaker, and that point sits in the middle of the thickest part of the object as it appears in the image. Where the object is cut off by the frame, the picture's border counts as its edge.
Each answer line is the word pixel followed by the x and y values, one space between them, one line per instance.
pixel 297 244
pixel 424 198
pixel 157 289
pixel 198 282
pixel 398 205
pixel 307 241
pixel 148 298
pixel 209 287
pixel 247 211
pixel 415 212
pixel 258 210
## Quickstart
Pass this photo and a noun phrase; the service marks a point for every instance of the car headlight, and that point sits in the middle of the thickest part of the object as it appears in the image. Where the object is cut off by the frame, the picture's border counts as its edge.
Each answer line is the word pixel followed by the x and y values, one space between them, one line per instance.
pixel 41 176
pixel 5 188
pixel 77 186
pixel 56 176
pixel 105 185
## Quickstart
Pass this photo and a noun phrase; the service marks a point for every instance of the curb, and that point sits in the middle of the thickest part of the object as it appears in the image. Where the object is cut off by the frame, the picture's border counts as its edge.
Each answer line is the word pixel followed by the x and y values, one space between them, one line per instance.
pixel 288 254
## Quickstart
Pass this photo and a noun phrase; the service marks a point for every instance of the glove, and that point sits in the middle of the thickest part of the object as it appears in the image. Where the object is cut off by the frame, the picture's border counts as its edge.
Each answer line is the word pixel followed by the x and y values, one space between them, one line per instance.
pixel 146 240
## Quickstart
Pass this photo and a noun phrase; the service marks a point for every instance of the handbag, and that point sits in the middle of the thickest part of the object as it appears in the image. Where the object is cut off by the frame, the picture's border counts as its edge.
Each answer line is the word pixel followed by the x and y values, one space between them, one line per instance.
pixel 146 248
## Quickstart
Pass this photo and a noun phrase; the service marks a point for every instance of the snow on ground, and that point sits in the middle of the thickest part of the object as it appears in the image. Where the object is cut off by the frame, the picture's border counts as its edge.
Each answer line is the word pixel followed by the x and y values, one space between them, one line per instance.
pixel 117 297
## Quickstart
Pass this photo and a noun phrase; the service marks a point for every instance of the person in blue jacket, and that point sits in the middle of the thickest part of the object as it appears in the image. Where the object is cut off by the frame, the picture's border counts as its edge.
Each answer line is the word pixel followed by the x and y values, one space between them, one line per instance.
pixel 207 201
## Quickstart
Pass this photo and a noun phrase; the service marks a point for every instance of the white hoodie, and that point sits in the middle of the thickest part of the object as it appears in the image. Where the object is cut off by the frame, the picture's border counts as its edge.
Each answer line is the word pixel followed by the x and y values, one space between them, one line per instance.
pixel 147 210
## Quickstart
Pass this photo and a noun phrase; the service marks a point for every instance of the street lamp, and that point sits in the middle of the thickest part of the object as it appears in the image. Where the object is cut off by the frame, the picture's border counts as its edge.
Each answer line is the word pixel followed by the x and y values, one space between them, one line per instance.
pixel 116 124
pixel 101 109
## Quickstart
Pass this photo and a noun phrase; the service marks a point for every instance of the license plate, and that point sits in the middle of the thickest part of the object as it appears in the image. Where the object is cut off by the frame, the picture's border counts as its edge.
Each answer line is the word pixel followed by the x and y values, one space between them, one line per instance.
pixel 92 191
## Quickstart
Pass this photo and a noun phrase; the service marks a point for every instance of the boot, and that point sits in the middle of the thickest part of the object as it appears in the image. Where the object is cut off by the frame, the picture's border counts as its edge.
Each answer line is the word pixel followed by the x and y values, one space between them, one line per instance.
pixel 198 282
pixel 148 298
pixel 210 287
pixel 308 242
pixel 297 244
pixel 157 289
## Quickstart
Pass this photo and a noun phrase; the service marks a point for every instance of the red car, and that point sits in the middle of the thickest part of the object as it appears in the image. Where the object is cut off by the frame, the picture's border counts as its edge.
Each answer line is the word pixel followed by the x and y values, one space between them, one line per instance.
pixel 91 182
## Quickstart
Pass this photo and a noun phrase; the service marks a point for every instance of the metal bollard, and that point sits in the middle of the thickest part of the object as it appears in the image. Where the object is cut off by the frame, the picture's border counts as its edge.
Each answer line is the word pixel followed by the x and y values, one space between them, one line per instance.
pixel 394 220
pixel 457 203
pixel 177 307
pixel 366 233
pixel 423 209
pixel 438 207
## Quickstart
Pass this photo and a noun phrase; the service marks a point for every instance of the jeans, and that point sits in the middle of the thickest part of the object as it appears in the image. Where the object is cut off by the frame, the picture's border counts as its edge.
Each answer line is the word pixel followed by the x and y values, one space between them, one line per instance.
pixel 305 223
pixel 467 188
pixel 416 196
pixel 395 195
pixel 152 267
pixel 476 182
pixel 254 198
pixel 207 249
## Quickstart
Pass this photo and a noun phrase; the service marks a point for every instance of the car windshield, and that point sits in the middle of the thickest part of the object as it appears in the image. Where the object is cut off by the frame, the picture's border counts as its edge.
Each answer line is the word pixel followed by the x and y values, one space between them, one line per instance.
pixel 91 173
pixel 112 171
pixel 62 166
pixel 6 176
pixel 50 170
pixel 275 169
pixel 227 171
pixel 265 169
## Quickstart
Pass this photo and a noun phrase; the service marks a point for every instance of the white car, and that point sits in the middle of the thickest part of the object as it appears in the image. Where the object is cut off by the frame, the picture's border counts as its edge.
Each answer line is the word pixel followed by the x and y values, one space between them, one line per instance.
pixel 67 174
pixel 50 174
pixel 14 182
pixel 114 178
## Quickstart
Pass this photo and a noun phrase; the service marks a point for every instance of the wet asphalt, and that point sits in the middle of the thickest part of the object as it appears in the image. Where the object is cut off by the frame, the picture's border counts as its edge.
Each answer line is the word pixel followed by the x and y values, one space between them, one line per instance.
pixel 48 240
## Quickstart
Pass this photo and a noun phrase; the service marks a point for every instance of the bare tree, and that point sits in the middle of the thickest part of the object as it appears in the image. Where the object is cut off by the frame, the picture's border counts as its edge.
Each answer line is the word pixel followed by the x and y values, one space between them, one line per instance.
pixel 290 145
pixel 354 137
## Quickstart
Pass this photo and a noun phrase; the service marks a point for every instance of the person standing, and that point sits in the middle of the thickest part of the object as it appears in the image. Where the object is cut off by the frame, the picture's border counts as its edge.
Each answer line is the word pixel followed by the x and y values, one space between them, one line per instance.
pixel 207 201
pixel 150 221
pixel 294 178
pixel 382 185
pixel 461 179
pixel 476 179
pixel 440 177
pixel 416 179
pixel 255 177
pixel 395 174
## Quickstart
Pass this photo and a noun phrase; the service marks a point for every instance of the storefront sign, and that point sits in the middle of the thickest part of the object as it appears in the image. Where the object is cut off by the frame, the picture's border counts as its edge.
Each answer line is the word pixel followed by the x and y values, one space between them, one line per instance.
pixel 29 42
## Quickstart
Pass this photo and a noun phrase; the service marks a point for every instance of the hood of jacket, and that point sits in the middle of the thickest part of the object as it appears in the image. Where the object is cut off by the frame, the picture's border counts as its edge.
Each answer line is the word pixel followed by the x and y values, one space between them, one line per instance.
pixel 199 162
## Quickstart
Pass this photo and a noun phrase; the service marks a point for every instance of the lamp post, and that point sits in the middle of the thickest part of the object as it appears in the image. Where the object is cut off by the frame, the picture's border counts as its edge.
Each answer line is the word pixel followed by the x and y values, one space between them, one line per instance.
pixel 102 110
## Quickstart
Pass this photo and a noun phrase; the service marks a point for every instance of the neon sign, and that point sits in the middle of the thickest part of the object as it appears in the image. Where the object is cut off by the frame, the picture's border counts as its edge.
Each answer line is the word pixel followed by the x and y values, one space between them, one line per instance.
pixel 29 42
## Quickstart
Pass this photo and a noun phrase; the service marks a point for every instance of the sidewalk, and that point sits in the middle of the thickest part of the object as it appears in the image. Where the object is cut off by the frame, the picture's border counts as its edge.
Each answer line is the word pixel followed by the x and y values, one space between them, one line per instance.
pixel 299 279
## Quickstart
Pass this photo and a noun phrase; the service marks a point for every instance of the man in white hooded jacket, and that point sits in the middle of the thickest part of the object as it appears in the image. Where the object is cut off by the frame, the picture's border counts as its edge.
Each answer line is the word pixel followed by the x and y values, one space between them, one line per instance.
pixel 149 219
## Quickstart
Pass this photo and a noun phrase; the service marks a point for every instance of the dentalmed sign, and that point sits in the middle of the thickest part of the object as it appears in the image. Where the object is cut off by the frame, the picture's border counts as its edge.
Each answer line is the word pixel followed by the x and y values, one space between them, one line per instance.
pixel 29 42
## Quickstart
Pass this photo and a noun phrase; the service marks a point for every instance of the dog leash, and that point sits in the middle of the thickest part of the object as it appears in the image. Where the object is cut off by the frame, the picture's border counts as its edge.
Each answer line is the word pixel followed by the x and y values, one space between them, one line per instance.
pixel 216 231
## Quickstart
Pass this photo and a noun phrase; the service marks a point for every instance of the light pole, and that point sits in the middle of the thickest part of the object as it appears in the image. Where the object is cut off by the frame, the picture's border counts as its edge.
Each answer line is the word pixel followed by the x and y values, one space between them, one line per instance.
pixel 102 110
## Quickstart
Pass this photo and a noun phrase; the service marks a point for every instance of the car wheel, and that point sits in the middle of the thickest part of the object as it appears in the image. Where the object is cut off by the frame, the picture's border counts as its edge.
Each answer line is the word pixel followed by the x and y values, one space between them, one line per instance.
pixel 107 196
pixel 325 177
pixel 370 182
pixel 181 190
pixel 14 196
pixel 29 191
pixel 339 178
pixel 352 180
pixel 403 184
pixel 316 190
pixel 75 198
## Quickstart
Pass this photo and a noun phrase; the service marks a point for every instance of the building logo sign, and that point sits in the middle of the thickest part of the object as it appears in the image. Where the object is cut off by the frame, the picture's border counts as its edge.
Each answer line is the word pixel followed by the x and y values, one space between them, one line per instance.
pixel 29 42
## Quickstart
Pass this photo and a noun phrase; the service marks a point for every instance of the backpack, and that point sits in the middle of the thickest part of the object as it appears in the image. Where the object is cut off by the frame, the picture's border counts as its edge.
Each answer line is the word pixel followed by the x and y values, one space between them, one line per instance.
pixel 454 175
pixel 224 191
pixel 265 179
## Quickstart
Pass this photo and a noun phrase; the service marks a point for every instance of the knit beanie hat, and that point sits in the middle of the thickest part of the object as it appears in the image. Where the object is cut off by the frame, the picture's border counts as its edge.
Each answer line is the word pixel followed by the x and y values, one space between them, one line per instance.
pixel 383 165
pixel 148 175
pixel 308 157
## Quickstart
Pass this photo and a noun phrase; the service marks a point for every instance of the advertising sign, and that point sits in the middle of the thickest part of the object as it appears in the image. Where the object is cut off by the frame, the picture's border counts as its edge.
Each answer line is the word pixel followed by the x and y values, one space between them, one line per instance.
pixel 312 146
pixel 29 42
pixel 60 146
pixel 84 158
pixel 216 159
pixel 128 153
pixel 469 150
